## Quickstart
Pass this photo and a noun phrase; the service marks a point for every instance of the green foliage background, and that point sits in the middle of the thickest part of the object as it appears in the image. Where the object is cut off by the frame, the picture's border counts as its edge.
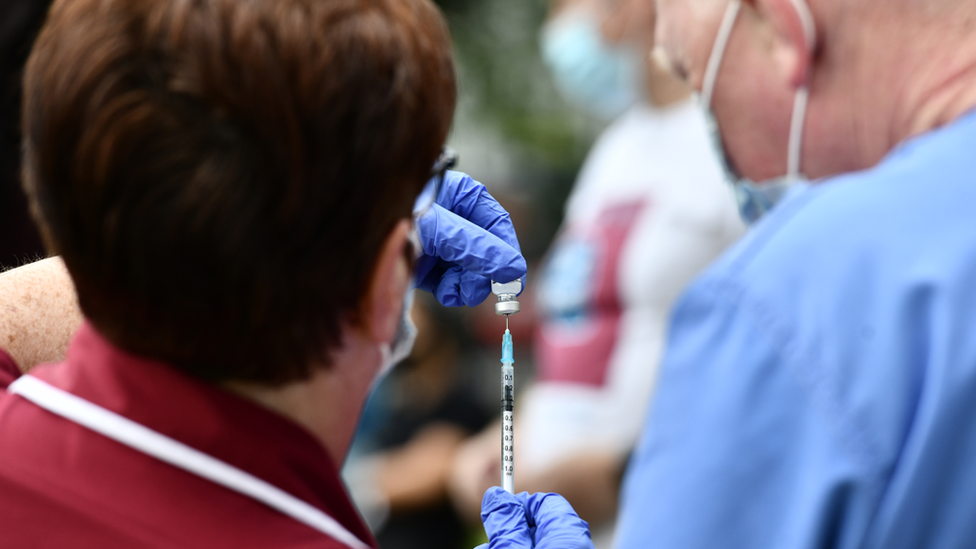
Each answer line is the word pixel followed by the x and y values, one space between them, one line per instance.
pixel 513 131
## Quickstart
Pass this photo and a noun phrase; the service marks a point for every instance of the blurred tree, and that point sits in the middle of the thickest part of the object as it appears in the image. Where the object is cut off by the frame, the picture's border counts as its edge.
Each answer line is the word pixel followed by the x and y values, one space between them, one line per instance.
pixel 513 129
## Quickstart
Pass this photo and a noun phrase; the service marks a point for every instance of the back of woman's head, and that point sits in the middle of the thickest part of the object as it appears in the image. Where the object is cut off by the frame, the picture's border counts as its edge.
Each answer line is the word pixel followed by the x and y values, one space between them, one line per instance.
pixel 219 175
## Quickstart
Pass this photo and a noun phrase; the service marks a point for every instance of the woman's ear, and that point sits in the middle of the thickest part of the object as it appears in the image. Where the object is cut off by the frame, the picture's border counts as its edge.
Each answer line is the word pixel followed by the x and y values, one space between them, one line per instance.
pixel 795 37
pixel 383 305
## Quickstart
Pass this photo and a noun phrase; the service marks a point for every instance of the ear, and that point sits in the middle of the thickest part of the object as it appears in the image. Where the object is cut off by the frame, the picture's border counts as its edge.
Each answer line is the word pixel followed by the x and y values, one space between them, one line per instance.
pixel 795 37
pixel 383 305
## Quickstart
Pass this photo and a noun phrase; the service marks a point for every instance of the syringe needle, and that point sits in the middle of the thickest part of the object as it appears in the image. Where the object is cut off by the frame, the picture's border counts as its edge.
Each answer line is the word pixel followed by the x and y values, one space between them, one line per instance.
pixel 506 322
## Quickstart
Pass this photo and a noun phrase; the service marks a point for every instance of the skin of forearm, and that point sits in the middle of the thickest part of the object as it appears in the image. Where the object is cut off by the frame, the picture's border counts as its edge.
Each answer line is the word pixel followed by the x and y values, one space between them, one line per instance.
pixel 589 481
pixel 39 312
pixel 415 475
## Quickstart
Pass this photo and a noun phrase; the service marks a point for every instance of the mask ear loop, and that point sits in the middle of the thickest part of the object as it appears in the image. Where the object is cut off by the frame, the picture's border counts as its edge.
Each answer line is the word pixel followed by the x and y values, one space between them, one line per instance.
pixel 718 51
pixel 806 21
pixel 798 118
pixel 796 133
pixel 802 95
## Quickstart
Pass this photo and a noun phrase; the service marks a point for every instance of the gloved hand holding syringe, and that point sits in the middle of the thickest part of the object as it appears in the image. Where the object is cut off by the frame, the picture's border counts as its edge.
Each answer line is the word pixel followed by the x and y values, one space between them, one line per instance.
pixel 466 239
pixel 508 305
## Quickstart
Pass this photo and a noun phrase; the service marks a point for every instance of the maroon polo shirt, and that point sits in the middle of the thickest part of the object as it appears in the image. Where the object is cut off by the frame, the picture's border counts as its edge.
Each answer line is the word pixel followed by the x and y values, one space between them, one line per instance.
pixel 63 485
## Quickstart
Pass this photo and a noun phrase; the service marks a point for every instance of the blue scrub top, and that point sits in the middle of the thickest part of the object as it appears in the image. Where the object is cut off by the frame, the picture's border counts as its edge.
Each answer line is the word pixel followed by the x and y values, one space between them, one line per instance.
pixel 819 389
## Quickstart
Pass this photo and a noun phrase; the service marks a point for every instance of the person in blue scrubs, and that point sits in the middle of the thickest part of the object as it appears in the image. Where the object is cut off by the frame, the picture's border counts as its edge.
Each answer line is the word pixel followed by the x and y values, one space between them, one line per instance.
pixel 819 387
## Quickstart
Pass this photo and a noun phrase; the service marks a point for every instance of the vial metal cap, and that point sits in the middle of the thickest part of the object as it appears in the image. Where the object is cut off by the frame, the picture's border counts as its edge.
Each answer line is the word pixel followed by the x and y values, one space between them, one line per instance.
pixel 507 307
pixel 507 296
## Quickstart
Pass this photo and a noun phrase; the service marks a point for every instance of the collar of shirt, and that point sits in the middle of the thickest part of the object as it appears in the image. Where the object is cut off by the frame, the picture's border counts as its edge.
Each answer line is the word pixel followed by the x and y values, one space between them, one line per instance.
pixel 215 421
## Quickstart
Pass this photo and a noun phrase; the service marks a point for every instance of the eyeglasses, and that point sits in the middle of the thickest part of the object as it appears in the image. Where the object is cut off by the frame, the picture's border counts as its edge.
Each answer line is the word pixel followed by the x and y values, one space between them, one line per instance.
pixel 447 159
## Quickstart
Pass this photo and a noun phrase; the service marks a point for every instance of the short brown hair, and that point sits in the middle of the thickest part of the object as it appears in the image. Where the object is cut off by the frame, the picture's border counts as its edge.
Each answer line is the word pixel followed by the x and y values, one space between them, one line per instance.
pixel 219 175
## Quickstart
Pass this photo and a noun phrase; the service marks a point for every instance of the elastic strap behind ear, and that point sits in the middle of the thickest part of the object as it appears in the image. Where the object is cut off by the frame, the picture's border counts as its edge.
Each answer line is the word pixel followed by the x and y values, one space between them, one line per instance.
pixel 806 20
pixel 718 51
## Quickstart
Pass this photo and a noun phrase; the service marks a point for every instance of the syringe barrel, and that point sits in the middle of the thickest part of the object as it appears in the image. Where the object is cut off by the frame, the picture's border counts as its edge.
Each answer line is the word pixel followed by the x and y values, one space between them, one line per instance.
pixel 508 427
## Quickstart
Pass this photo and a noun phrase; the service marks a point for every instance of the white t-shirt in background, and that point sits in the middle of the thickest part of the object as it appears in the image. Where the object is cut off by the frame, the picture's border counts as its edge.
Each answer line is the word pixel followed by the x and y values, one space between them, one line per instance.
pixel 650 209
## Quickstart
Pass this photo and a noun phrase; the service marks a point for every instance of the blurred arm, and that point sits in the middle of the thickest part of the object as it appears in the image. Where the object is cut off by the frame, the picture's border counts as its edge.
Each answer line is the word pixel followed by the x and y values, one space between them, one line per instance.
pixel 415 475
pixel 589 480
pixel 38 312
pixel 477 467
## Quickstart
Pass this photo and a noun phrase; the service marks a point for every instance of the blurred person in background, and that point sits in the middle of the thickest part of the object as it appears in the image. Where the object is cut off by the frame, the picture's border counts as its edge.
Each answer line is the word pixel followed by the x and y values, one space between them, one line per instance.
pixel 649 210
pixel 232 188
pixel 20 21
pixel 819 386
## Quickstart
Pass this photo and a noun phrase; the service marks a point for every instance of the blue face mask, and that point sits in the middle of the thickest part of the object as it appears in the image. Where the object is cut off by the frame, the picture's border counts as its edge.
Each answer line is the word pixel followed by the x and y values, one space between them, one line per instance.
pixel 755 199
pixel 587 71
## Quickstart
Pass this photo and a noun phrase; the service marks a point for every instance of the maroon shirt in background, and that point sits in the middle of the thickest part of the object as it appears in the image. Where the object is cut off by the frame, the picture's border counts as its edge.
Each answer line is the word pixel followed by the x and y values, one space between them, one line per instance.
pixel 63 485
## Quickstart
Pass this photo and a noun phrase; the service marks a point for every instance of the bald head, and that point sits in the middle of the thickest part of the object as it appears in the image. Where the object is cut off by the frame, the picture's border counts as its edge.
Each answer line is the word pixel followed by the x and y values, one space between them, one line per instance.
pixel 878 72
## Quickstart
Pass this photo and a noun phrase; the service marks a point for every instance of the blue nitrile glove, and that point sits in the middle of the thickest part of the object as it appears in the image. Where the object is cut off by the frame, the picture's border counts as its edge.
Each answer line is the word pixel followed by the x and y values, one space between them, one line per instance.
pixel 468 240
pixel 523 521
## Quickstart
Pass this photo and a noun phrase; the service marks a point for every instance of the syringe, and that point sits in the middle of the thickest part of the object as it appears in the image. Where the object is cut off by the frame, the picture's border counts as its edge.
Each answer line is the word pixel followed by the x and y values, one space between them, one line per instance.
pixel 508 305
pixel 508 413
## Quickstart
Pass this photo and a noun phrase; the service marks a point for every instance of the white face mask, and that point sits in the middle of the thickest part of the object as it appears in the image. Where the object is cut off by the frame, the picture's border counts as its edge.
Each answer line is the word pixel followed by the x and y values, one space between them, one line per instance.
pixel 755 199
pixel 406 334
pixel 403 340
